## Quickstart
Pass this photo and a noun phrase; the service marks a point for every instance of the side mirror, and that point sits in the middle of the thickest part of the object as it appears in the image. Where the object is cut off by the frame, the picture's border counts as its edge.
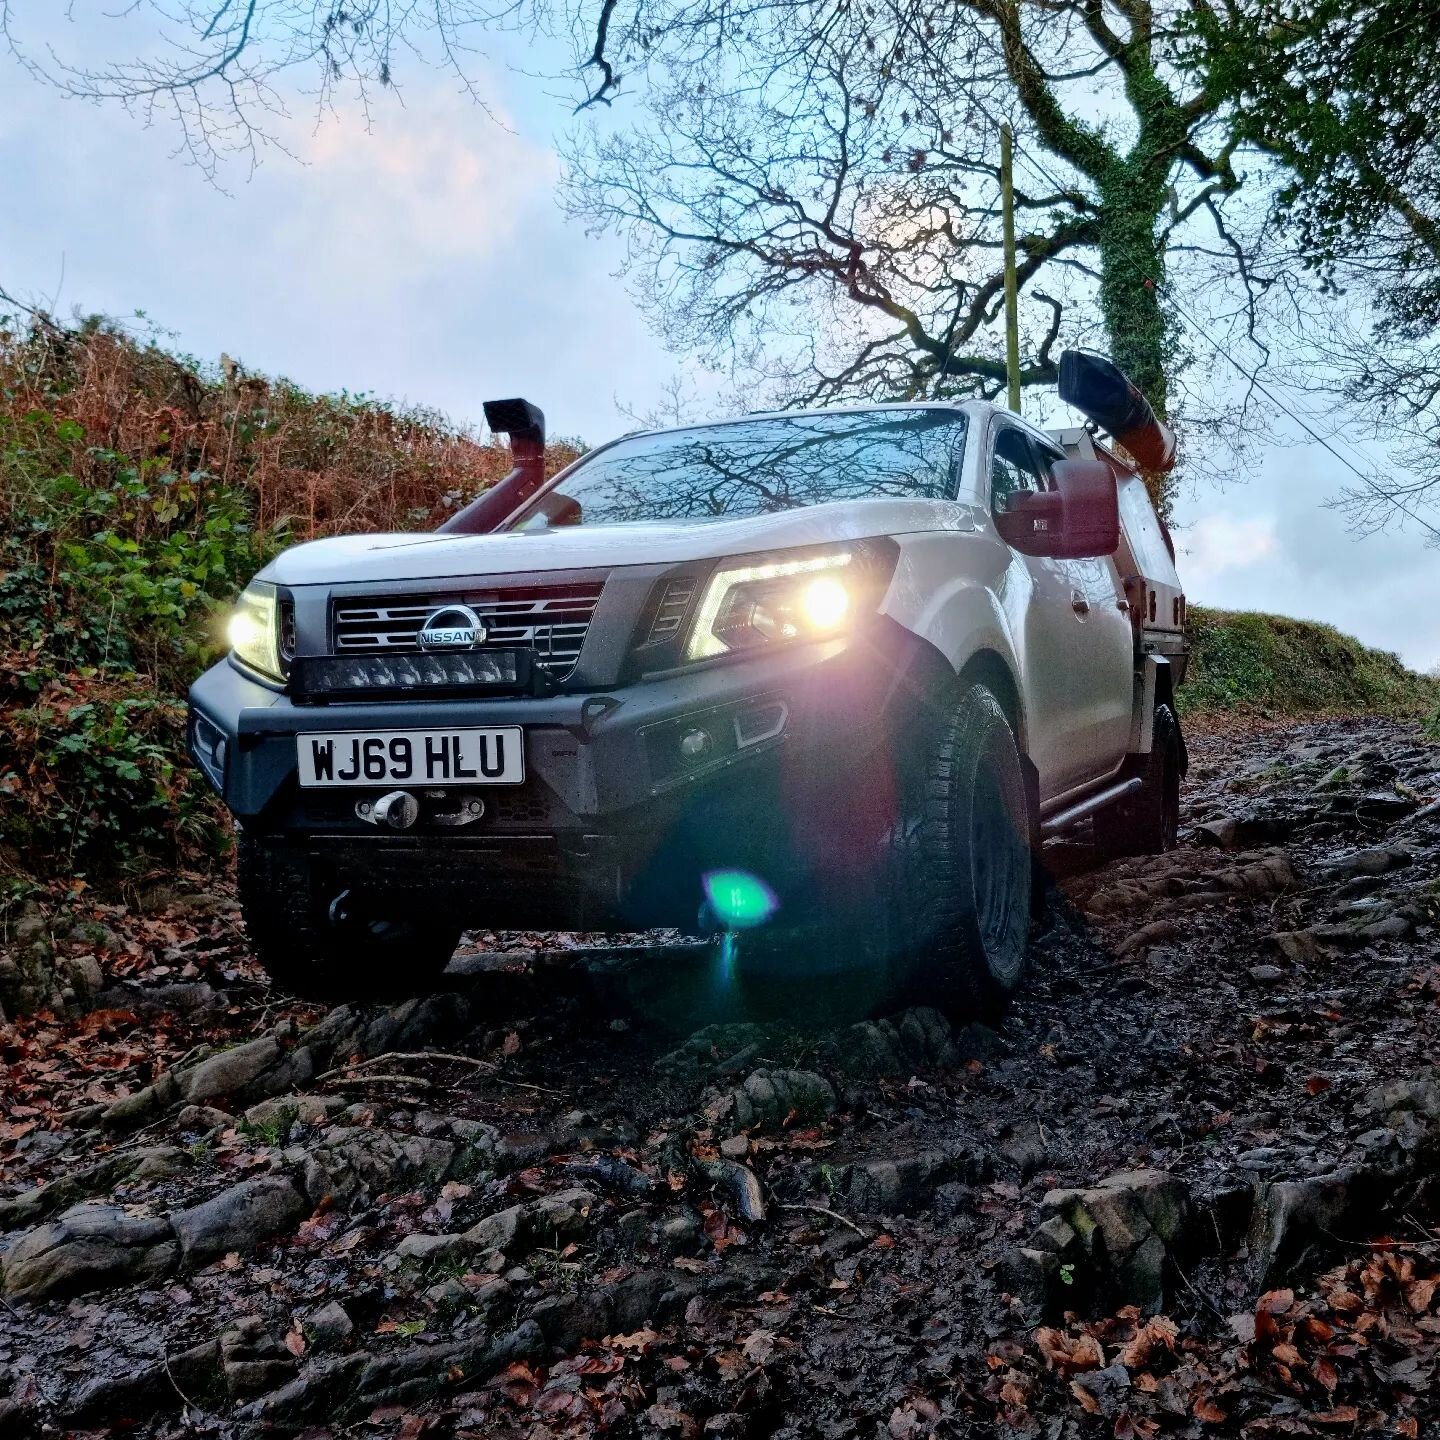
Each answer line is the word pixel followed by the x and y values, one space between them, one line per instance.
pixel 1078 520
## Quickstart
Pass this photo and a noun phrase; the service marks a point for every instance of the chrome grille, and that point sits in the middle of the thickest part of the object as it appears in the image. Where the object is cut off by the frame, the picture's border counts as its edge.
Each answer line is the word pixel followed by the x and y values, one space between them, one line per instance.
pixel 549 621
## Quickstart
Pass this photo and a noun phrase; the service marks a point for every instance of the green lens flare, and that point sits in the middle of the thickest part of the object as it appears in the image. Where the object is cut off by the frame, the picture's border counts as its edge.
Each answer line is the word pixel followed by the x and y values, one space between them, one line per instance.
pixel 738 899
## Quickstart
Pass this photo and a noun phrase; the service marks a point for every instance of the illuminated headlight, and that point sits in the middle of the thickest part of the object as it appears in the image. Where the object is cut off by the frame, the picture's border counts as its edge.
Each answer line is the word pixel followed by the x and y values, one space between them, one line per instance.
pixel 745 606
pixel 253 630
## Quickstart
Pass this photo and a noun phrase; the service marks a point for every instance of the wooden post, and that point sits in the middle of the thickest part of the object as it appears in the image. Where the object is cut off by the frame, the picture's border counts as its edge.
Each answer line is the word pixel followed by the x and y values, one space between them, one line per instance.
pixel 1012 290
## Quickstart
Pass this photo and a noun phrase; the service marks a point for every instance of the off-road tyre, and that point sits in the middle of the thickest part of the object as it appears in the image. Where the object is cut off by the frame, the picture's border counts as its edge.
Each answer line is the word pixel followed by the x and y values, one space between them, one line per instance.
pixel 286 912
pixel 935 921
pixel 1147 822
pixel 957 909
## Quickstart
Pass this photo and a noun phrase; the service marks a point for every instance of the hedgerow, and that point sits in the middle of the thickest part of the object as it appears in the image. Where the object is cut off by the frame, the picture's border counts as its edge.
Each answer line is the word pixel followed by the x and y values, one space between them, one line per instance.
pixel 139 490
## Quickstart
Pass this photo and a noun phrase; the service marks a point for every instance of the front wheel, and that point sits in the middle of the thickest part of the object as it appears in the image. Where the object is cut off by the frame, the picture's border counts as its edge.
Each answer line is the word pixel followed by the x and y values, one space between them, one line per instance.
pixel 957 912
pixel 309 946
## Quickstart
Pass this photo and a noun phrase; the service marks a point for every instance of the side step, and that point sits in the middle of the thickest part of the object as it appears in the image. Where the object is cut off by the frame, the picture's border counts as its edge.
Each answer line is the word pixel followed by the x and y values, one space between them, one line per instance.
pixel 1089 805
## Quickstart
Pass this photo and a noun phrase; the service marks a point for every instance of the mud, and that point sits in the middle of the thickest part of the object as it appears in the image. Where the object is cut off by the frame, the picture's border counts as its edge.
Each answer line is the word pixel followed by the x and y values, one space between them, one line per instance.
pixel 520 1207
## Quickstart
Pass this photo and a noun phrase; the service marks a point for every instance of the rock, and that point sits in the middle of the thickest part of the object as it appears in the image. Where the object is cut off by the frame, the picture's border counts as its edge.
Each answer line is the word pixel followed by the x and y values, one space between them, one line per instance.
pixel 567 1320
pixel 149 1162
pixel 912 1040
pixel 501 1231
pixel 735 1147
pixel 1298 946
pixel 613 1173
pixel 1222 832
pixel 355 1164
pixel 203 1118
pixel 229 1072
pixel 1127 1226
pixel 773 1099
pixel 1266 974
pixel 330 1326
pixel 287 1110
pixel 897 1186
pixel 238 1218
pixel 431 1249
pixel 560 1218
pixel 1290 1215
pixel 680 1232
pixel 252 1360
pixel 144 1390
pixel 90 1247
pixel 1109 1387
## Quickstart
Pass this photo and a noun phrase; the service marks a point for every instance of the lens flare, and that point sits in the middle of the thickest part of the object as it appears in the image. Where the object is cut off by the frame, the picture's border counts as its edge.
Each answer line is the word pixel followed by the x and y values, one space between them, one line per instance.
pixel 243 631
pixel 825 602
pixel 739 900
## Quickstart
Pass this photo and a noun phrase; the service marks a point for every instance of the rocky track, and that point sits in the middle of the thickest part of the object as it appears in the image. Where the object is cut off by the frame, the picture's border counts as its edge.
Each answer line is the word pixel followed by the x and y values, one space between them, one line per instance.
pixel 1188 1187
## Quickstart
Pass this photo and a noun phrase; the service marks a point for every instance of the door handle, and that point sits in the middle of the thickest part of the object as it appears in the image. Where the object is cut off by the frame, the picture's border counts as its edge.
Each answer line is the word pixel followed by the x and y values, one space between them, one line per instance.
pixel 1079 604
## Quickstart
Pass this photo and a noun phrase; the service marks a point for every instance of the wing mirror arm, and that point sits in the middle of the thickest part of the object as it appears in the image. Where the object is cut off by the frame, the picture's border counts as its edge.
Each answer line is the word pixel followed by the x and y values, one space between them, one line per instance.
pixel 524 423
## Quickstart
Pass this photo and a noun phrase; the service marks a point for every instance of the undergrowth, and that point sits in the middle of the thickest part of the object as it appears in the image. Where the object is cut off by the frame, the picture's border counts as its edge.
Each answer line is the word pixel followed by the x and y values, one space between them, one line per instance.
pixel 1273 665
pixel 138 492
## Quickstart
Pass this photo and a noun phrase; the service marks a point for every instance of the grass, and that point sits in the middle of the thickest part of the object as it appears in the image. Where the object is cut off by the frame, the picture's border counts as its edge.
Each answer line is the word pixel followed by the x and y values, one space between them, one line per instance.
pixel 1271 665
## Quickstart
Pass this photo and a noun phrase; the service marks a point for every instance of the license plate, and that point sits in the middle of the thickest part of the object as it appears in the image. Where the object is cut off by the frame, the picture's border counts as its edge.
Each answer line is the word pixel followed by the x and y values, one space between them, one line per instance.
pixel 413 757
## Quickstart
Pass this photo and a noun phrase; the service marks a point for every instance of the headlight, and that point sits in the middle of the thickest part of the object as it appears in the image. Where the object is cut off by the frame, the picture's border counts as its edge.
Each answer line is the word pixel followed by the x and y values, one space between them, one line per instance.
pixel 253 630
pixel 745 606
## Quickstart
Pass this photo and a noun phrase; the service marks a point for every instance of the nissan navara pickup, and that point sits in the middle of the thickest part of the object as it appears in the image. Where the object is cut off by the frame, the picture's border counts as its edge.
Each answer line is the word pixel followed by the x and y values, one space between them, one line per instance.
pixel 820 680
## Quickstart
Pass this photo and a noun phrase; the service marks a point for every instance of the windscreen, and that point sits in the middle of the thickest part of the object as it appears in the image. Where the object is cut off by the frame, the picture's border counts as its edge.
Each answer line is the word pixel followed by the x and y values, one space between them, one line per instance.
pixel 758 467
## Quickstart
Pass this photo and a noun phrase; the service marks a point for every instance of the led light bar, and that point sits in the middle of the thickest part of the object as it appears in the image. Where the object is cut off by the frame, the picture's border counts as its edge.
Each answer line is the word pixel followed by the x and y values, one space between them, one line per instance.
pixel 340 677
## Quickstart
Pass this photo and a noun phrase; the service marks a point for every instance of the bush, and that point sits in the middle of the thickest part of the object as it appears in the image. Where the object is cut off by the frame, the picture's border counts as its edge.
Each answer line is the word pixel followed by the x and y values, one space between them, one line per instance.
pixel 1274 665
pixel 138 493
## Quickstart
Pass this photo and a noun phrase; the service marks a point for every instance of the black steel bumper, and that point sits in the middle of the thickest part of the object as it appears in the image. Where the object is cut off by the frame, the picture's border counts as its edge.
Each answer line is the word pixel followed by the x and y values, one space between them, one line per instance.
pixel 612 812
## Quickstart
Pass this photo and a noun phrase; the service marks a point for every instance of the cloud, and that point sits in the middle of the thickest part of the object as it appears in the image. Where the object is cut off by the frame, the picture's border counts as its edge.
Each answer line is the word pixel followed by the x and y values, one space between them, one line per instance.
pixel 1216 543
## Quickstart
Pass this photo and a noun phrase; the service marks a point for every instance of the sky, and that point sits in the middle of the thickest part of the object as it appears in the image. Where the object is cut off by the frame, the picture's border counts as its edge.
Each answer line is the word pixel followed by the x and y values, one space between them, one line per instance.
pixel 426 260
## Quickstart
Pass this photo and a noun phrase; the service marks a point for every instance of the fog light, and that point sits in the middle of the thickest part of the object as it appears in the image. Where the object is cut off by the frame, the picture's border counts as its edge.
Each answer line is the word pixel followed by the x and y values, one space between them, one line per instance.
pixel 222 751
pixel 696 744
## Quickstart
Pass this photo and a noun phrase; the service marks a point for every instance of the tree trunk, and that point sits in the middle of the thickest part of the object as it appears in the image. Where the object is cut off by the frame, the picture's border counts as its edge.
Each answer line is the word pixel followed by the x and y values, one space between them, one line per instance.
pixel 1132 281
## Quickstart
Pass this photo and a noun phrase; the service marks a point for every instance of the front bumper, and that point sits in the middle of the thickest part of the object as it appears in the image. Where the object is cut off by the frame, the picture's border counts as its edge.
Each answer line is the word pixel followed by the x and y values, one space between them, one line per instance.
pixel 610 809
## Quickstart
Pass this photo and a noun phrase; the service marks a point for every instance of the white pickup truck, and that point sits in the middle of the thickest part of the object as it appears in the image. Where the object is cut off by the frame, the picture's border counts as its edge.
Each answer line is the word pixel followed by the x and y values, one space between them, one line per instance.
pixel 826 675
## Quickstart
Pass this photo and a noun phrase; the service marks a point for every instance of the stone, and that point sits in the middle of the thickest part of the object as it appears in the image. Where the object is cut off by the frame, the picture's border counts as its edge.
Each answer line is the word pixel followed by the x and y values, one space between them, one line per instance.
pixel 1299 947
pixel 252 1360
pixel 1292 1215
pixel 330 1326
pixel 559 1218
pixel 1266 974
pixel 773 1099
pixel 500 1231
pixel 1127 1226
pixel 353 1164
pixel 90 1247
pixel 238 1218
pixel 149 1162
pixel 431 1249
pixel 1222 832
pixel 613 1173
pixel 735 1147
pixel 1157 932
pixel 143 1390
pixel 229 1072
pixel 567 1320
pixel 203 1118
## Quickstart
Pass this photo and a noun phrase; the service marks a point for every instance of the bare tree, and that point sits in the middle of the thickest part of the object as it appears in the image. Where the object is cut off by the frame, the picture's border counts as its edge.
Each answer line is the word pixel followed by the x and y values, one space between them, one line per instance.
pixel 220 70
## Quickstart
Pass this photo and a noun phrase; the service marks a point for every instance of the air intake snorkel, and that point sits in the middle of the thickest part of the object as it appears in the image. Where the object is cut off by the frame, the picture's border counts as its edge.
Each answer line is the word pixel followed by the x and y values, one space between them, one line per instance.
pixel 1099 390
pixel 524 423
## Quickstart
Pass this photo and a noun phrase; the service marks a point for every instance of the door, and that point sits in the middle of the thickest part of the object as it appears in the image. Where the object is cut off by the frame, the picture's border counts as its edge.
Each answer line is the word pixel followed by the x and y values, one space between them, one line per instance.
pixel 1037 599
pixel 1101 633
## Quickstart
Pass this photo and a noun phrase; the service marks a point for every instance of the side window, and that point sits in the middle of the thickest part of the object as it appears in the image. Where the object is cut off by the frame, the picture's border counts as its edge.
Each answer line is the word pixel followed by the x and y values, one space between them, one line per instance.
pixel 1046 457
pixel 1012 468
